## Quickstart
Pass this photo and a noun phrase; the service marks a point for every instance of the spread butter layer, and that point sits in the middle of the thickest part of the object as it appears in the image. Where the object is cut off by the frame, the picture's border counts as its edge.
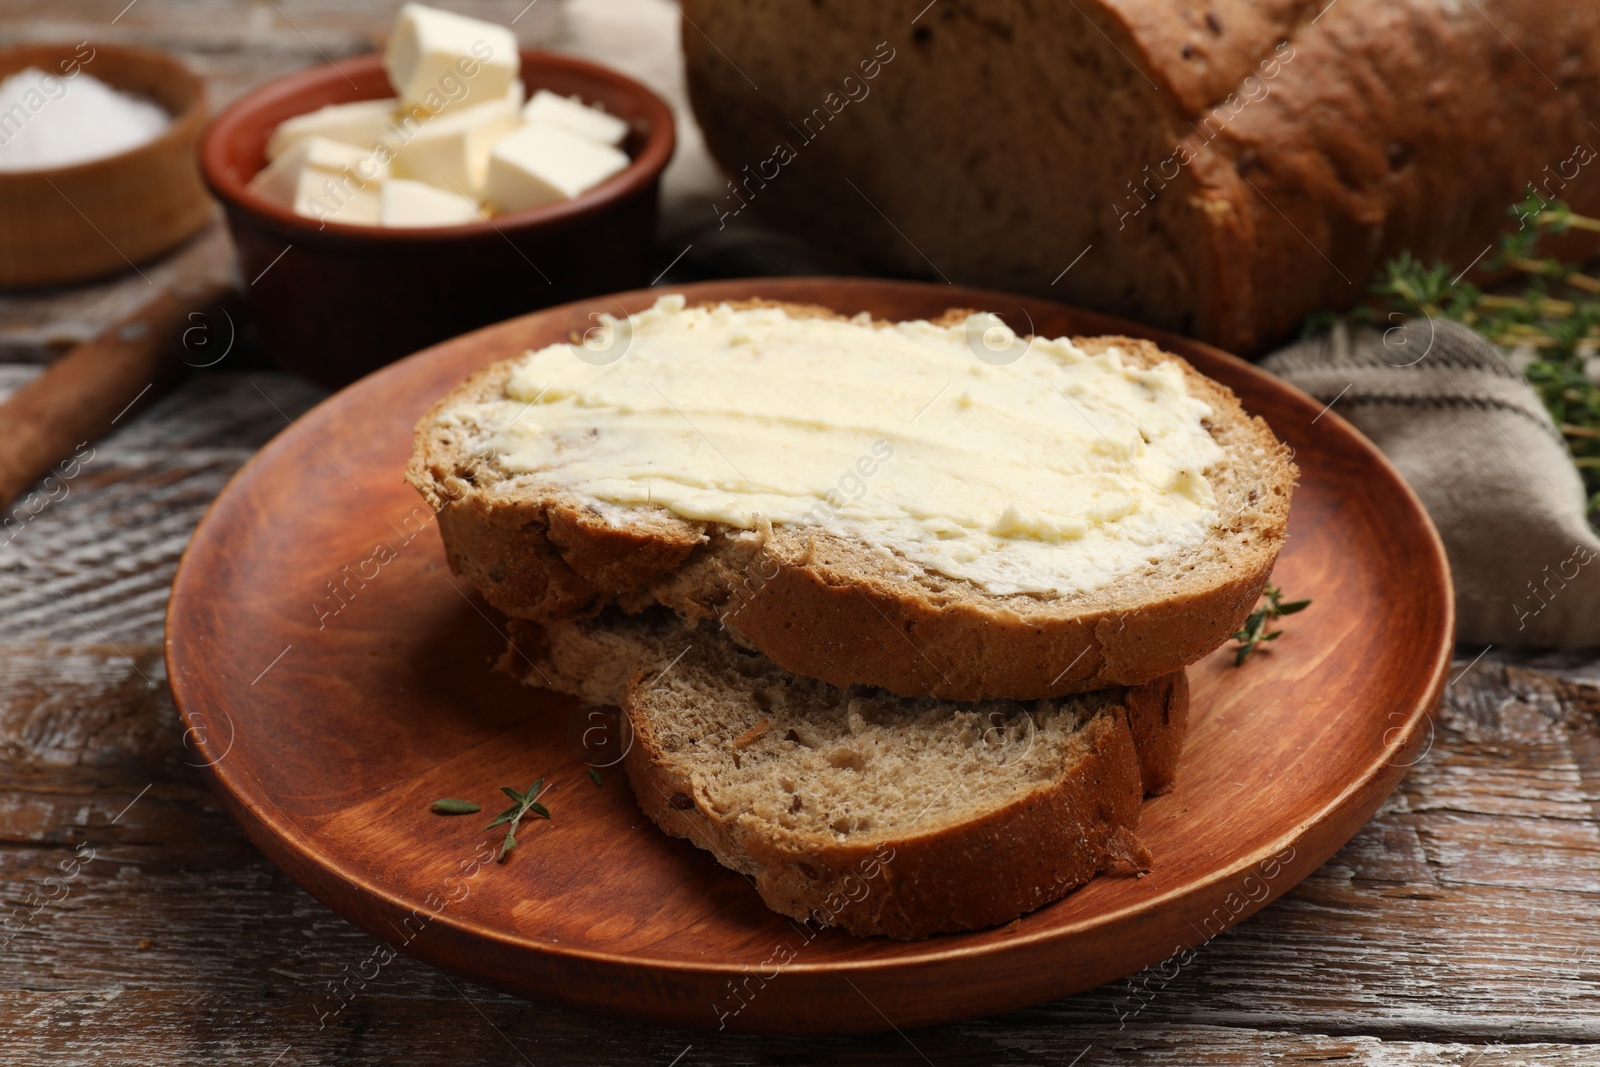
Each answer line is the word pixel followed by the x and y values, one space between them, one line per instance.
pixel 1055 473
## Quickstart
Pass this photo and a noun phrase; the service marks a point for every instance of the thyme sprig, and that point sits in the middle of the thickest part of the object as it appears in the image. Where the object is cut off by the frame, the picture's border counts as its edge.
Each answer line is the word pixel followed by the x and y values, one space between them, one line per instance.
pixel 1255 627
pixel 1554 319
pixel 522 804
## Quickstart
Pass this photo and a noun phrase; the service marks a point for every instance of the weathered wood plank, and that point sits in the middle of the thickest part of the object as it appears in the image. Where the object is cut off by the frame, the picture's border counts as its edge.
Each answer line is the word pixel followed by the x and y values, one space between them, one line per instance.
pixel 140 1028
pixel 89 558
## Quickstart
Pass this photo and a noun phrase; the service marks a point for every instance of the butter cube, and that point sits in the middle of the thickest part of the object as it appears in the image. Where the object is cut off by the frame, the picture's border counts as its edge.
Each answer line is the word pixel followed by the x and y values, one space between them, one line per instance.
pixel 324 179
pixel 277 180
pixel 432 53
pixel 576 117
pixel 543 164
pixel 407 203
pixel 322 198
pixel 320 152
pixel 359 123
pixel 451 149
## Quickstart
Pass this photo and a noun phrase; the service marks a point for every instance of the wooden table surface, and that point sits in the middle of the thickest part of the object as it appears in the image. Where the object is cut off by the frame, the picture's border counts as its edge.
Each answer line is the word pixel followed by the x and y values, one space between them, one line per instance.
pixel 1459 927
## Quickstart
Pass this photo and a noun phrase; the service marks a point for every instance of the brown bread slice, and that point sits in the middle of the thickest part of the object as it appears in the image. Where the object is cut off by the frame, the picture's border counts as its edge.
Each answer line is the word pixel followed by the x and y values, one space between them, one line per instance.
pixel 856 808
pixel 827 607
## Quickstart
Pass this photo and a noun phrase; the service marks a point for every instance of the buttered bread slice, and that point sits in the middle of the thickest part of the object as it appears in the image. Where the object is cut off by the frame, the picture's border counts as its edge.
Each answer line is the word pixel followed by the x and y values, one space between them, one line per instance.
pixel 902 816
pixel 938 508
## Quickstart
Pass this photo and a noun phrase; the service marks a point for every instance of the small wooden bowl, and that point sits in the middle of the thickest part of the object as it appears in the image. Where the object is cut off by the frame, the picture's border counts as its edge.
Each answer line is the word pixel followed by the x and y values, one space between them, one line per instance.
pixel 335 301
pixel 72 223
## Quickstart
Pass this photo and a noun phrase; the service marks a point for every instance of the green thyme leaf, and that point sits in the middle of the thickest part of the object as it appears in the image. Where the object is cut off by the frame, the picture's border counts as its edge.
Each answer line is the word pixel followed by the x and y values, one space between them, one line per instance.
pixel 447 806
pixel 1255 627
pixel 512 816
pixel 594 776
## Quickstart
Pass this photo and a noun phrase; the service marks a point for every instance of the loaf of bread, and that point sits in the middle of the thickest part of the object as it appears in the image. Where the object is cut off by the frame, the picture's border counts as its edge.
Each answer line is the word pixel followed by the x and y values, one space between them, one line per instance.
pixel 850 601
pixel 858 809
pixel 1220 168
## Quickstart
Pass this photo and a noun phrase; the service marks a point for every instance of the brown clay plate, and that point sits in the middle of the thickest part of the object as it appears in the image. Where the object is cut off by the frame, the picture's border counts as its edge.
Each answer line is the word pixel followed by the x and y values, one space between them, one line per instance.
pixel 337 679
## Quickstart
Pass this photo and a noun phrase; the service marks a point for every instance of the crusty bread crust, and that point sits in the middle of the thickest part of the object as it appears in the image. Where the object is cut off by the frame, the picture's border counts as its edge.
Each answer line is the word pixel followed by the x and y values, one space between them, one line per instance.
pixel 1158 720
pixel 824 607
pixel 956 876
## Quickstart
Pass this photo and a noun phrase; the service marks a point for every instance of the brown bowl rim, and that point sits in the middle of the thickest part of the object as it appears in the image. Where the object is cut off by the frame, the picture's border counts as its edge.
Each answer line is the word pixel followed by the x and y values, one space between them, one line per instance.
pixel 181 129
pixel 644 168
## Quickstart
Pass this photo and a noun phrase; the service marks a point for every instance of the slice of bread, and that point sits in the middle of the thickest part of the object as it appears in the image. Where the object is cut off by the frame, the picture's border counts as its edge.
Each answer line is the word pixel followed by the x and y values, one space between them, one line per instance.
pixel 856 808
pixel 842 609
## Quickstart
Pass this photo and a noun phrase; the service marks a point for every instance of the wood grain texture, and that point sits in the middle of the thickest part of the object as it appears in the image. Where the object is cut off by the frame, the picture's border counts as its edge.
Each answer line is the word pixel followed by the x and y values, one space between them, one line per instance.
pixel 1425 941
pixel 82 396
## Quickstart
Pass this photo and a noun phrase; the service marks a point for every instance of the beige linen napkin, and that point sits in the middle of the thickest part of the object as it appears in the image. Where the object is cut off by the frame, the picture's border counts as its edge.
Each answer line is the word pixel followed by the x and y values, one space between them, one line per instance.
pixel 1477 445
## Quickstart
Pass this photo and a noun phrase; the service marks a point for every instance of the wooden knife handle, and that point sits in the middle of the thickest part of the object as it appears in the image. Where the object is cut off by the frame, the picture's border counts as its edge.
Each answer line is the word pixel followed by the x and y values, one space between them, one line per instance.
pixel 91 389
